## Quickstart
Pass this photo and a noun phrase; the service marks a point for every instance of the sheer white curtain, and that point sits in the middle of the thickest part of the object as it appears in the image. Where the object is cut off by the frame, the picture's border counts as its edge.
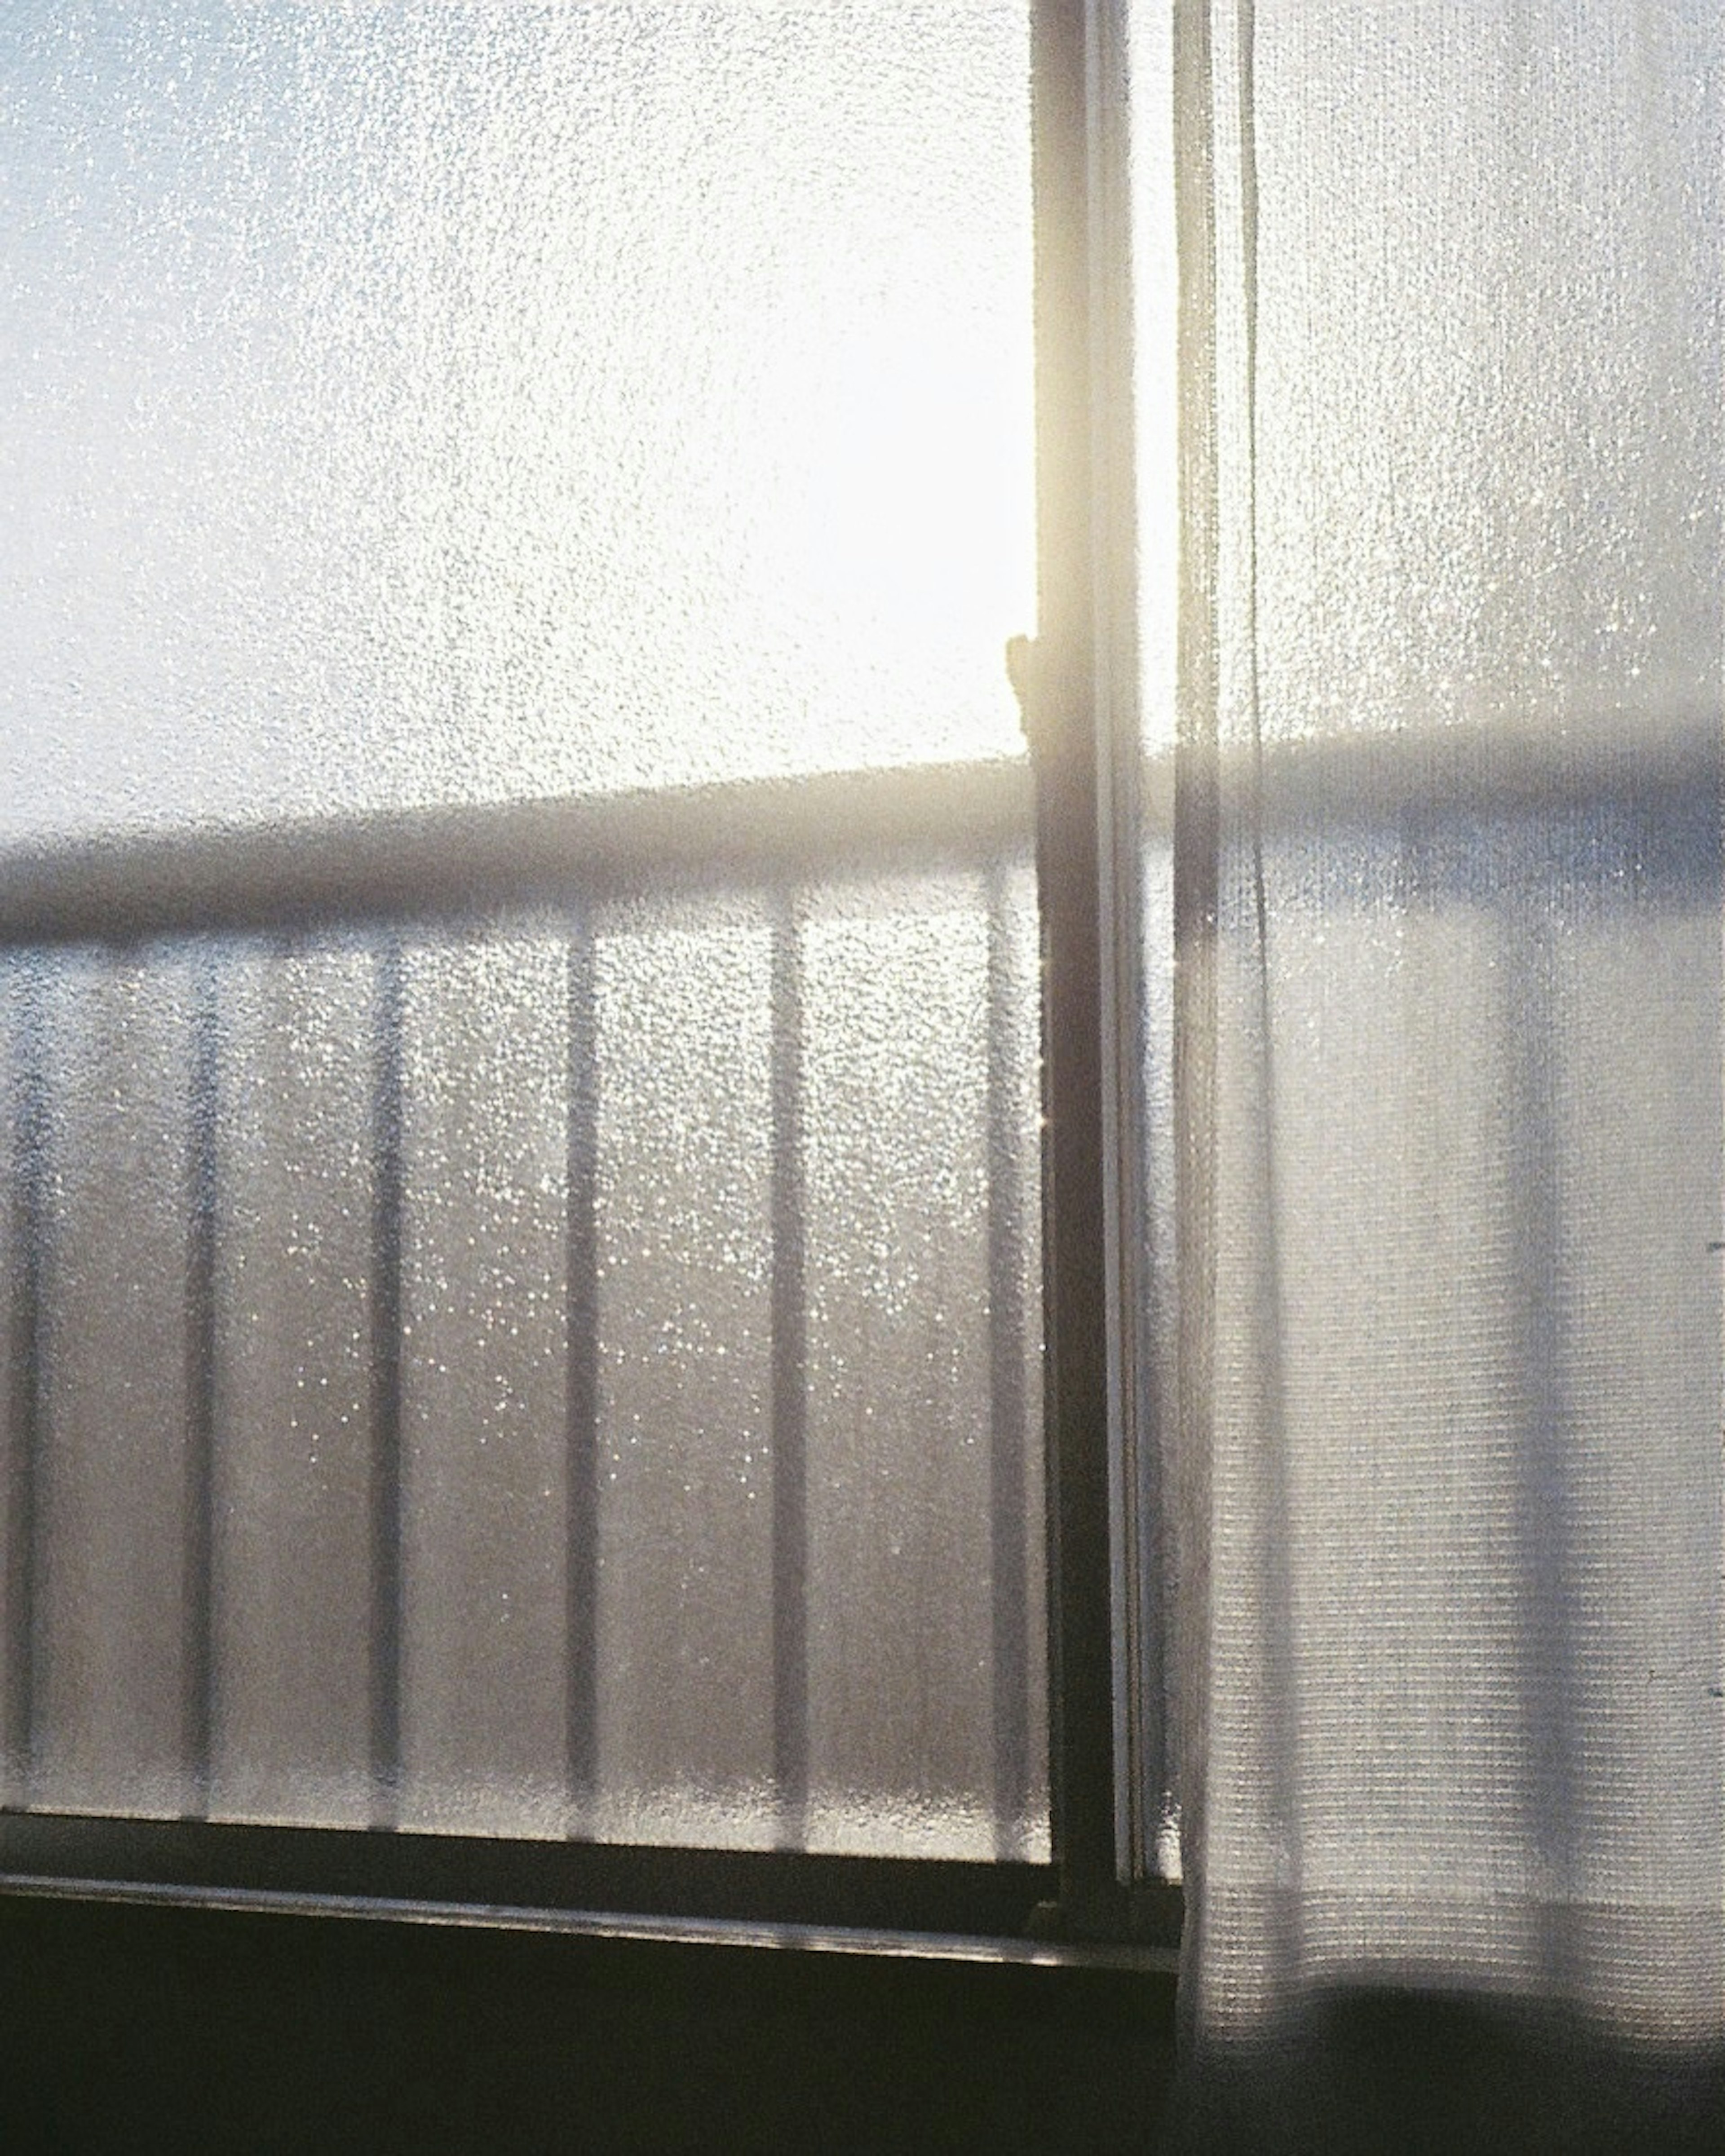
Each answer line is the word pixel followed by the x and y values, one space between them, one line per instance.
pixel 1448 1123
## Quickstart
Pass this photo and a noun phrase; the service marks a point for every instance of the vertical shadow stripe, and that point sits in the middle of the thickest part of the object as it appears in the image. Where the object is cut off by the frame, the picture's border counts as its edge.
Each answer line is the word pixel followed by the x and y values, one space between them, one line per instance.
pixel 28 1344
pixel 790 1398
pixel 1551 1614
pixel 1007 1401
pixel 203 1193
pixel 388 1078
pixel 582 1383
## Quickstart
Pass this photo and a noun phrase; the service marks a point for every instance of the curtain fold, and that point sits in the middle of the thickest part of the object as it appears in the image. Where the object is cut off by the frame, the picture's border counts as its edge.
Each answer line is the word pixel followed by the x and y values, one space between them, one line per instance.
pixel 1448 870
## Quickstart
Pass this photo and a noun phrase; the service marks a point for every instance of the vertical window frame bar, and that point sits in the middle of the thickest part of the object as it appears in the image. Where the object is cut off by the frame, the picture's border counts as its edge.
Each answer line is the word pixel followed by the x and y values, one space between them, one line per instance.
pixel 1078 683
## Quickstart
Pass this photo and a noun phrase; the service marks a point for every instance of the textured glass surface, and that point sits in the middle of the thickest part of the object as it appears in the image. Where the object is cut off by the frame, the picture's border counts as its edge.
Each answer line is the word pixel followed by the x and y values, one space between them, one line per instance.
pixel 484 1496
pixel 539 1357
pixel 558 1375
pixel 452 403
pixel 902 1445
pixel 117 1684
pixel 686 1456
pixel 292 1474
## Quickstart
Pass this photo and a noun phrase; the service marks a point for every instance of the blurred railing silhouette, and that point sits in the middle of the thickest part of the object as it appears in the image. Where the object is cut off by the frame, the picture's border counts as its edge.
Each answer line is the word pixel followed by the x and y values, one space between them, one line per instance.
pixel 381 879
pixel 1445 813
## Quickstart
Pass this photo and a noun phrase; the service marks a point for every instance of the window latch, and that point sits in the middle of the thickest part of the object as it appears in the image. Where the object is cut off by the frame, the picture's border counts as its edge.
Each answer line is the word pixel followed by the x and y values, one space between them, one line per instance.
pixel 1025 669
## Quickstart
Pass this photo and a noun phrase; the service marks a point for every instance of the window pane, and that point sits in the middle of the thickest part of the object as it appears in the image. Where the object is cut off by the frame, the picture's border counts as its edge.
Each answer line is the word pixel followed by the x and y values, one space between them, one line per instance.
pixel 460 403
pixel 563 1360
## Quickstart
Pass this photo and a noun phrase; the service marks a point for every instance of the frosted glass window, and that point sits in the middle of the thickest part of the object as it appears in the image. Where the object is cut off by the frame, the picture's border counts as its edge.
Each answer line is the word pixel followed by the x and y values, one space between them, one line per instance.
pixel 456 403
pixel 559 1356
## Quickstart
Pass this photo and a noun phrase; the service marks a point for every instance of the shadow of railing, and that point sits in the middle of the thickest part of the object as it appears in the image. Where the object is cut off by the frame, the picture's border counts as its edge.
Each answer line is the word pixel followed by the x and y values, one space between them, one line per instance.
pixel 379 882
pixel 436 863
